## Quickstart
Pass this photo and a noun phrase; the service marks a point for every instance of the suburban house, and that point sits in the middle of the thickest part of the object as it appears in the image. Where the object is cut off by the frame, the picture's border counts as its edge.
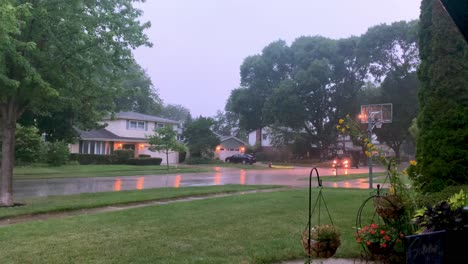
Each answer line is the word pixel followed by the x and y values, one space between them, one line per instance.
pixel 228 146
pixel 261 136
pixel 125 130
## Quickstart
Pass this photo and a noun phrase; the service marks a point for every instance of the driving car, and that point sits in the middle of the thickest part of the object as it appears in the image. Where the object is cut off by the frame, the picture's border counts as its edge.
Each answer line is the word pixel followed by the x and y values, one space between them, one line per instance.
pixel 241 158
pixel 340 162
pixel 345 162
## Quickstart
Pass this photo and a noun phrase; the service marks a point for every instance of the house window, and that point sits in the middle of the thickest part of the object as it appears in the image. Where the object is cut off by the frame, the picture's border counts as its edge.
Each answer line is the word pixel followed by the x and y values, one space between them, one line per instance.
pixel 159 125
pixel 265 136
pixel 136 125
pixel 94 147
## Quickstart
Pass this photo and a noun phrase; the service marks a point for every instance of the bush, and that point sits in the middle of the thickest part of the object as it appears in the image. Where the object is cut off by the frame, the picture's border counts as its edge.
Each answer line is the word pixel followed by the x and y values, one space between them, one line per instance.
pixel 144 161
pixel 87 159
pixel 445 194
pixel 182 156
pixel 28 145
pixel 57 153
pixel 144 156
pixel 198 160
pixel 122 155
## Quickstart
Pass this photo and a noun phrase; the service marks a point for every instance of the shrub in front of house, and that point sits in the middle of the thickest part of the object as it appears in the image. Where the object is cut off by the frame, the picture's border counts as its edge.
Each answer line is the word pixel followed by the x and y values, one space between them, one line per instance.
pixel 28 146
pixel 57 153
pixel 144 161
pixel 144 156
pixel 198 160
pixel 123 155
pixel 88 159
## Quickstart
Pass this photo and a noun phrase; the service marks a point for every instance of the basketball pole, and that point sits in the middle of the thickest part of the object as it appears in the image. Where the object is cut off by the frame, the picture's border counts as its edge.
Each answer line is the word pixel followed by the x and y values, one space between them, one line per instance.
pixel 369 135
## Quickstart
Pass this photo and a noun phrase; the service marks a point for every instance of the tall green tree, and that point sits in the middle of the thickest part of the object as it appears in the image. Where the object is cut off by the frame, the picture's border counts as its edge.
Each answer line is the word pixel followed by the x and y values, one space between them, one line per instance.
pixel 442 144
pixel 57 54
pixel 400 89
pixel 165 140
pixel 199 138
pixel 136 92
pixel 175 112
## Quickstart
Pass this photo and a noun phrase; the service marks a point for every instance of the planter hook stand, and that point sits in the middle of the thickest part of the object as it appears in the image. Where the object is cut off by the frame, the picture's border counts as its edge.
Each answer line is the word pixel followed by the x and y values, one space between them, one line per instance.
pixel 318 201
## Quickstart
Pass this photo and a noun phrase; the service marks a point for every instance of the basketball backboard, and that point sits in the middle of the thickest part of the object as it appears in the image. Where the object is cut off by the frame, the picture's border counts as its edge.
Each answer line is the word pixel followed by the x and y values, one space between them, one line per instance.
pixel 378 113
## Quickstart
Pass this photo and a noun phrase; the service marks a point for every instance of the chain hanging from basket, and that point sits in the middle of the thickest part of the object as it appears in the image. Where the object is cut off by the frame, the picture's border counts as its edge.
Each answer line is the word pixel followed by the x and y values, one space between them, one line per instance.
pixel 320 241
pixel 389 206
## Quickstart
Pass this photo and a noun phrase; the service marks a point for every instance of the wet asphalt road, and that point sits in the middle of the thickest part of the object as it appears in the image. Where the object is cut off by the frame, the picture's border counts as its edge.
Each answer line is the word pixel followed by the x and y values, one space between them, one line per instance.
pixel 296 177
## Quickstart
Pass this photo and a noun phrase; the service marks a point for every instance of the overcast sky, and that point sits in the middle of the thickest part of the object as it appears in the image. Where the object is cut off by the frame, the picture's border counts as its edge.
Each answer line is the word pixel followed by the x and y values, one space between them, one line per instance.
pixel 199 45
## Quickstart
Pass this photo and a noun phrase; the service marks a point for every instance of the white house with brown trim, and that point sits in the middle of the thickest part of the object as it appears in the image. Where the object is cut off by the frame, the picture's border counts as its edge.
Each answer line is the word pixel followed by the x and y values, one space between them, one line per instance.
pixel 125 130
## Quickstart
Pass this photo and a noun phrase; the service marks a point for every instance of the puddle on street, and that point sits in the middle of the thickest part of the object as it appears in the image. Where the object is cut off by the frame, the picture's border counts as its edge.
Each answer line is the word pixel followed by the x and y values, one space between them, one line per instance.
pixel 287 177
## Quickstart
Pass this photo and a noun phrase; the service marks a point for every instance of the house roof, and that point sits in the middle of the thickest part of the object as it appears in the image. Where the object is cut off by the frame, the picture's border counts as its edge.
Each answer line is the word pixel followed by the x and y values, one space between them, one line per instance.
pixel 141 117
pixel 224 138
pixel 105 135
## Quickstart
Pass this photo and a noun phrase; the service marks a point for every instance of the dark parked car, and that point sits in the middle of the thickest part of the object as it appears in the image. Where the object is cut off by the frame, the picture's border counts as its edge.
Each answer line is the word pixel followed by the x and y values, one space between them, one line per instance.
pixel 241 158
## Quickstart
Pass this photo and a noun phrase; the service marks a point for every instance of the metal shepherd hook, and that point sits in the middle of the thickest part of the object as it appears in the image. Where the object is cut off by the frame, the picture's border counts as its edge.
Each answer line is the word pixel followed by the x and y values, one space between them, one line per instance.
pixel 310 203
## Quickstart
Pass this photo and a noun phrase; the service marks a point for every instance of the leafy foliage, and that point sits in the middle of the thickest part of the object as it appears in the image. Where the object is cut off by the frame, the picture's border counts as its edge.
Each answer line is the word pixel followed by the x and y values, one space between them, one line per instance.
pixel 29 145
pixel 442 145
pixel 307 86
pixel 122 155
pixel 61 59
pixel 386 237
pixel 324 232
pixel 175 112
pixel 87 159
pixel 200 140
pixel 57 153
pixel 165 140
pixel 144 161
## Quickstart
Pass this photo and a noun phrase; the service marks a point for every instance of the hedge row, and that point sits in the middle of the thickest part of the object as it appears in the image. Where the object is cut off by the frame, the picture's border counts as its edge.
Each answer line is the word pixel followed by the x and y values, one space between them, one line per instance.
pixel 144 161
pixel 87 159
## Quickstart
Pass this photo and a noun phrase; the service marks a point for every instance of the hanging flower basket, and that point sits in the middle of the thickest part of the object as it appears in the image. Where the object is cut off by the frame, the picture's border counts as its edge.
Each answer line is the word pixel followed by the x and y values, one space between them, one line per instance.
pixel 388 207
pixel 378 251
pixel 324 241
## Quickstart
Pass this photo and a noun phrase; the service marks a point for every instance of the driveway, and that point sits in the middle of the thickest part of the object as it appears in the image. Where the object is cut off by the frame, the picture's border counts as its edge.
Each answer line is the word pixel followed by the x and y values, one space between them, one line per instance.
pixel 220 176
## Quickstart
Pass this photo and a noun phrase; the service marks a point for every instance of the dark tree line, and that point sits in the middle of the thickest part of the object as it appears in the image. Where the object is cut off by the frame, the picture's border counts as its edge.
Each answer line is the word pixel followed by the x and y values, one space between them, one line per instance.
pixel 307 86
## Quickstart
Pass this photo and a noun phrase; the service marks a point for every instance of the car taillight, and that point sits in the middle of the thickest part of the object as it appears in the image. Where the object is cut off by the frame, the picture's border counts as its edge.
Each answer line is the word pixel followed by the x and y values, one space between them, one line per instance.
pixel 345 162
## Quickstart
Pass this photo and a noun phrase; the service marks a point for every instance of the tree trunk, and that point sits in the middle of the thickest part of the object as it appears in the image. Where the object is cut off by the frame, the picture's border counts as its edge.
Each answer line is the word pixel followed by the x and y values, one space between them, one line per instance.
pixel 167 159
pixel 8 119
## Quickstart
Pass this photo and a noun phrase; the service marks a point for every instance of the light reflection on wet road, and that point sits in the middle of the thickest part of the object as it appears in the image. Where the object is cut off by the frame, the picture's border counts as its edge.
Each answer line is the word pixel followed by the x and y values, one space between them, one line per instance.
pixel 220 176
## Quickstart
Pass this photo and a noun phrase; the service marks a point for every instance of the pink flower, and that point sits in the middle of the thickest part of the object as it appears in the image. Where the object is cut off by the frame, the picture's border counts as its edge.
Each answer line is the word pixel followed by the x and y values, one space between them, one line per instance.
pixel 383 245
pixel 368 242
pixel 382 232
pixel 387 238
pixel 374 225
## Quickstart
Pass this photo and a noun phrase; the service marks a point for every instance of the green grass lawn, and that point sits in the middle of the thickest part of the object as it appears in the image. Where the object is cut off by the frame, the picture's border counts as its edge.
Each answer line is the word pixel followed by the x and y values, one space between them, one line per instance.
pixel 92 200
pixel 69 171
pixel 250 228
